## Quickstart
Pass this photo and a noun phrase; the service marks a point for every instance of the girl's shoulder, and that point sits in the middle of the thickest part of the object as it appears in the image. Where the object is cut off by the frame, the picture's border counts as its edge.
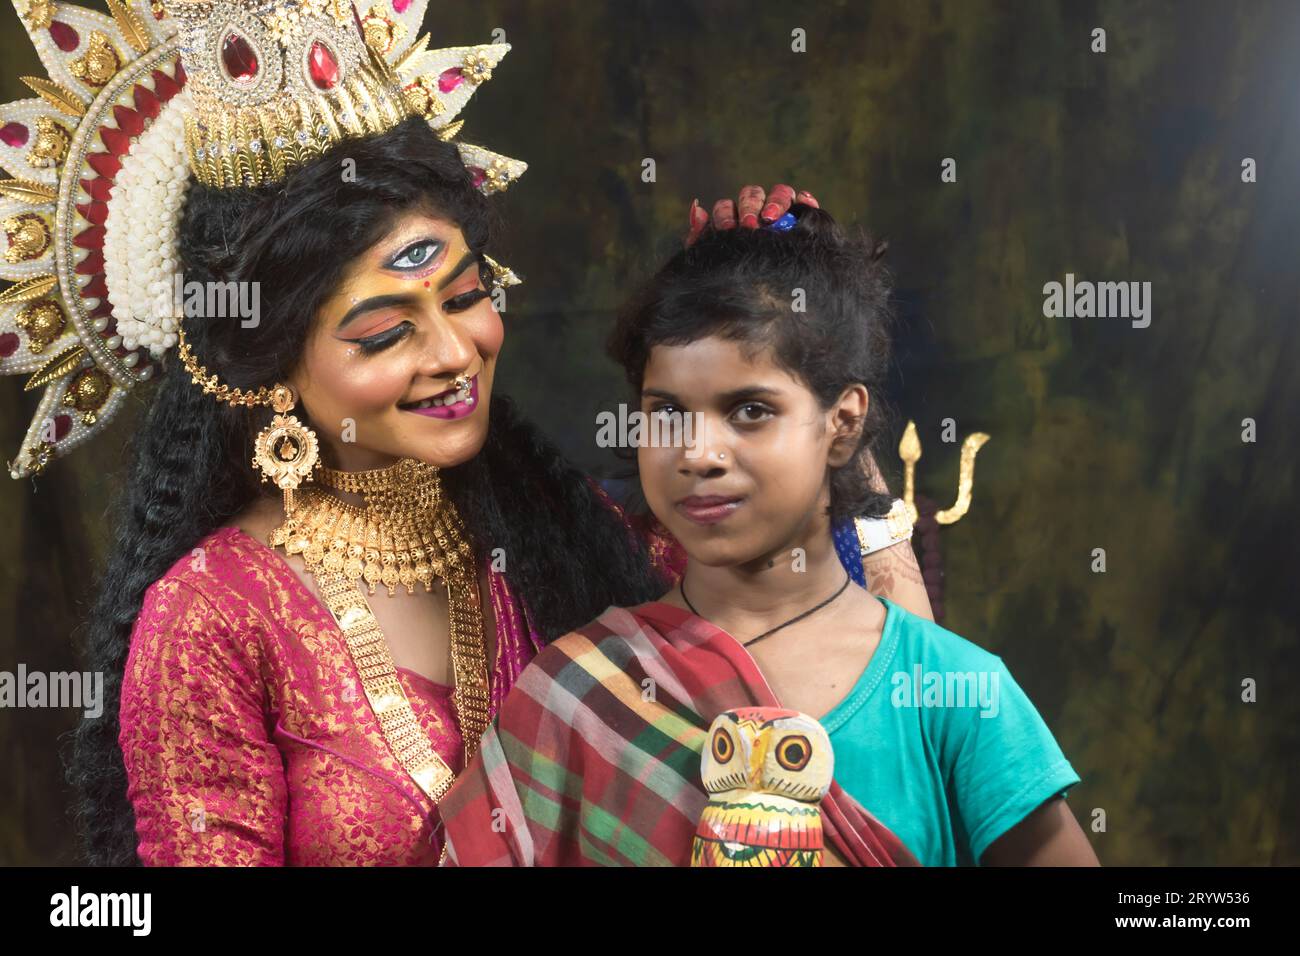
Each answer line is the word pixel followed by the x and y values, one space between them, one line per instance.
pixel 920 639
pixel 608 634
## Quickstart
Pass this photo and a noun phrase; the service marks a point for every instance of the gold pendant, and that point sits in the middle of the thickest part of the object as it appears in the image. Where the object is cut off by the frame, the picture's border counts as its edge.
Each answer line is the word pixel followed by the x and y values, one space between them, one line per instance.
pixel 406 534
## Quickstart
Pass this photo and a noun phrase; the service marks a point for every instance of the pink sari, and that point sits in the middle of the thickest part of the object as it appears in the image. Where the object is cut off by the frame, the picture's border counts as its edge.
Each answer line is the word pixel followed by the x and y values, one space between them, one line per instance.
pixel 245 732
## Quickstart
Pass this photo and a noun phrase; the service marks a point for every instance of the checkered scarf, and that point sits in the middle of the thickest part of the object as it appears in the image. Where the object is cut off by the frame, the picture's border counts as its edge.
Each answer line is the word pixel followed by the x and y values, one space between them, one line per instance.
pixel 594 758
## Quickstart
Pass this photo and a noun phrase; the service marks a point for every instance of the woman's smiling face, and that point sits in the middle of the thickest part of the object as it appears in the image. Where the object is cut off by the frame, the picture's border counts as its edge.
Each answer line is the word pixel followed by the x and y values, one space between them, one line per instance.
pixel 410 315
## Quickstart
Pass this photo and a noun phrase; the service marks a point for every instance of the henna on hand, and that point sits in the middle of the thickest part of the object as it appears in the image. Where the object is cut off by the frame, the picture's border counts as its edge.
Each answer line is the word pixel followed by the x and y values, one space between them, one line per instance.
pixel 751 201
pixel 724 214
pixel 889 567
pixel 778 202
pixel 753 208
pixel 698 220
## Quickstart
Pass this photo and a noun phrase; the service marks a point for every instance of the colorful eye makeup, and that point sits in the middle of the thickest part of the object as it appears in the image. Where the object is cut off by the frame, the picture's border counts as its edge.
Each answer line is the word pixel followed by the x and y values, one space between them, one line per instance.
pixel 371 344
pixel 389 337
pixel 417 255
pixel 465 300
pixel 382 321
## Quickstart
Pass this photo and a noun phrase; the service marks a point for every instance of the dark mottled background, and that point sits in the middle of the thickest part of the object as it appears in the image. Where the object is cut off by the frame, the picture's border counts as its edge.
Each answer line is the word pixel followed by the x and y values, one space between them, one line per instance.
pixel 1119 166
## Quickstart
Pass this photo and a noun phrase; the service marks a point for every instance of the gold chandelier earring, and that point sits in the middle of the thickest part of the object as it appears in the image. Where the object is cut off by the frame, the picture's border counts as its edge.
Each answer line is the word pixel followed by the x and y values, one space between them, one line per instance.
pixel 286 451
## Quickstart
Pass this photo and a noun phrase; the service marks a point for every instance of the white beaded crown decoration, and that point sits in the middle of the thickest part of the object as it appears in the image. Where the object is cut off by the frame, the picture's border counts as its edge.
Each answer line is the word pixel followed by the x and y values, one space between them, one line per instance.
pixel 233 93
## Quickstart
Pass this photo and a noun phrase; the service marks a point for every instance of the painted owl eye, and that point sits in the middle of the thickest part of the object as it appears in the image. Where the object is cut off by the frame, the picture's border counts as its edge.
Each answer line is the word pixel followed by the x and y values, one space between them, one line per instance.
pixel 794 752
pixel 723 748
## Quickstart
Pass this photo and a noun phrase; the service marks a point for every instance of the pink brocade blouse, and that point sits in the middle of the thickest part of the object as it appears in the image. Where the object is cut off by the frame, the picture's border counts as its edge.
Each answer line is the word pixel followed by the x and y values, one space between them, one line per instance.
pixel 247 737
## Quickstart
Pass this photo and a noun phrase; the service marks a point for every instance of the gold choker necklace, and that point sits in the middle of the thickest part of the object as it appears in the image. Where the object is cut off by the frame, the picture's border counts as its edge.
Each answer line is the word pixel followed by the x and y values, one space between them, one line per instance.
pixel 407 533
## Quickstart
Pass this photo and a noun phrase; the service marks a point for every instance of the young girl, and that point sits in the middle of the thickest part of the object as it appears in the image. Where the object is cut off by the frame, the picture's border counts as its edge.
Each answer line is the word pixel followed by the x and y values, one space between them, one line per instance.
pixel 777 341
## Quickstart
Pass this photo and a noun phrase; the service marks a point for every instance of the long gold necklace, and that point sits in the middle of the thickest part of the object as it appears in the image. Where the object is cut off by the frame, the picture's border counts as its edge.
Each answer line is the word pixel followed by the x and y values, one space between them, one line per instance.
pixel 408 533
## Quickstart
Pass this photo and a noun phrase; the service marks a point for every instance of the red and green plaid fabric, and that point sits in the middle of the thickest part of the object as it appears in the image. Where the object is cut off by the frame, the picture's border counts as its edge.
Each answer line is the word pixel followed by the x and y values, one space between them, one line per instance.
pixel 594 758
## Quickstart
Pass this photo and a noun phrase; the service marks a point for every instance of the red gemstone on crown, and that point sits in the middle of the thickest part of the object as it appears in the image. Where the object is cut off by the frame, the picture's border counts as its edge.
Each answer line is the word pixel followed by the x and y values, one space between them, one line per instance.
pixel 448 80
pixel 128 120
pixel 64 36
pixel 90 238
pixel 98 188
pixel 117 141
pixel 97 288
pixel 14 134
pixel 92 265
pixel 95 212
pixel 238 58
pixel 146 102
pixel 164 85
pixel 105 164
pixel 401 5
pixel 8 344
pixel 322 66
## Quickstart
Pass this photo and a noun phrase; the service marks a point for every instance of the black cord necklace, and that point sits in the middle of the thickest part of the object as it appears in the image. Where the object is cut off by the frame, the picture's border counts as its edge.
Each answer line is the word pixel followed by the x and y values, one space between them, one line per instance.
pixel 812 610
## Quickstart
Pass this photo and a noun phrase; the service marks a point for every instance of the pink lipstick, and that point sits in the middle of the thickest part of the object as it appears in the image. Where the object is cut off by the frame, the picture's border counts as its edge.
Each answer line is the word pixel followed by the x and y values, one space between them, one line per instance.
pixel 452 404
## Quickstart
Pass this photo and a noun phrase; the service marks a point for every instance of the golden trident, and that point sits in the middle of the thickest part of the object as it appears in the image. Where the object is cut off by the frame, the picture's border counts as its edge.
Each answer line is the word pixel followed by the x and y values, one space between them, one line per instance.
pixel 909 449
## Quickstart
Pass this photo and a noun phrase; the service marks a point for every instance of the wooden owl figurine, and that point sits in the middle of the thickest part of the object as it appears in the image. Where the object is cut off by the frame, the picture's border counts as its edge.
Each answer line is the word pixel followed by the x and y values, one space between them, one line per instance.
pixel 766 770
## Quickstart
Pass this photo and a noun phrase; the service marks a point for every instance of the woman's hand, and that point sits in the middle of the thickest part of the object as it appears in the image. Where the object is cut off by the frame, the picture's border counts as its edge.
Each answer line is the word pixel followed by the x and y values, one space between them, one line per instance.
pixel 752 209
pixel 893 572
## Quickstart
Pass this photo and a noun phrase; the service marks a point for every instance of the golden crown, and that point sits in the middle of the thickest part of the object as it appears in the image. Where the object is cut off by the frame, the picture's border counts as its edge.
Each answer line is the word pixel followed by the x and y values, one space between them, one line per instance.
pixel 276 82
pixel 135 102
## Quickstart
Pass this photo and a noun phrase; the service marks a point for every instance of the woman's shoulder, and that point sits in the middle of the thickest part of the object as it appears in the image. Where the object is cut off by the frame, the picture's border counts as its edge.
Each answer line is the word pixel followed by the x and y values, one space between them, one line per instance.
pixel 225 575
pixel 213 565
pixel 200 639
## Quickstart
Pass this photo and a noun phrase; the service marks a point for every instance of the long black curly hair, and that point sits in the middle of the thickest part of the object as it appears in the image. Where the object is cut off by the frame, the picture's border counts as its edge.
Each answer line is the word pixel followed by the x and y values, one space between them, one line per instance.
pixel 570 556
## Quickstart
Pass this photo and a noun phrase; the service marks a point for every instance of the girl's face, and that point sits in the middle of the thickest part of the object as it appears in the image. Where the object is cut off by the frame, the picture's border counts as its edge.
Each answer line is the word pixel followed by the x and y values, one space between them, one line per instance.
pixel 410 315
pixel 756 482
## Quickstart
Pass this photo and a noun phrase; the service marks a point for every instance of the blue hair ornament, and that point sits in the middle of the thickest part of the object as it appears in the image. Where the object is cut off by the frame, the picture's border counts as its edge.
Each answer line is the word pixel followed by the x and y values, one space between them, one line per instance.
pixel 784 224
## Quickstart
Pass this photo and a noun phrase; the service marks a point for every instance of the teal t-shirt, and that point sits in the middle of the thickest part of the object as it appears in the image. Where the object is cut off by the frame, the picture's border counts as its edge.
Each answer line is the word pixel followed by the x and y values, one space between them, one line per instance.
pixel 941 745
